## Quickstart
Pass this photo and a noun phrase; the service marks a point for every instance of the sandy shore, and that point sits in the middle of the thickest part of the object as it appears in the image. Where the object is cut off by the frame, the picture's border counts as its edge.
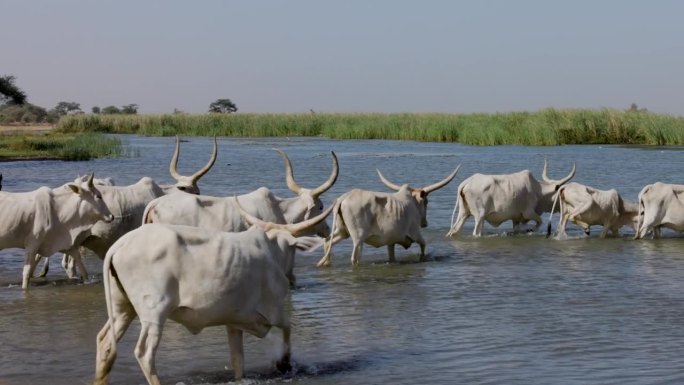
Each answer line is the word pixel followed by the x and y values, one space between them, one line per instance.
pixel 18 129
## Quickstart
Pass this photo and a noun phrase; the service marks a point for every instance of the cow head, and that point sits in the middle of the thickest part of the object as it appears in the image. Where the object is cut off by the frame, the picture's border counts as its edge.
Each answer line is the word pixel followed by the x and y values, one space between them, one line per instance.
pixel 189 183
pixel 92 204
pixel 289 237
pixel 96 181
pixel 420 195
pixel 308 204
pixel 629 214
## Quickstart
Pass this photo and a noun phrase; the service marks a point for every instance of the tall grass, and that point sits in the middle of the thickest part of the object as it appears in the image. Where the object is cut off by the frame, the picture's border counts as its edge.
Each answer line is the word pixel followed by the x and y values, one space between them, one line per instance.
pixel 545 127
pixel 79 146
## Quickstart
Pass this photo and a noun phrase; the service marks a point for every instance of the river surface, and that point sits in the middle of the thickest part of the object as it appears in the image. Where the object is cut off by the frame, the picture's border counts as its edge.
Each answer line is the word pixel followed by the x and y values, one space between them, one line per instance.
pixel 501 309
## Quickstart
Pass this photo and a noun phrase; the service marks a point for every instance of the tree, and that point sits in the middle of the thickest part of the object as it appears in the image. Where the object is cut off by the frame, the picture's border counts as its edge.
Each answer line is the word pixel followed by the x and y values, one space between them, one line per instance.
pixel 130 109
pixel 111 110
pixel 24 113
pixel 222 106
pixel 95 110
pixel 10 92
pixel 64 108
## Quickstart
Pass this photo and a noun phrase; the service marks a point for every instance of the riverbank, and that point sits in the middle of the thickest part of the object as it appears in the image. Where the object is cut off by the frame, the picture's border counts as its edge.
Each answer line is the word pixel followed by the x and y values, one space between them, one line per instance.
pixel 43 143
pixel 545 127
pixel 26 129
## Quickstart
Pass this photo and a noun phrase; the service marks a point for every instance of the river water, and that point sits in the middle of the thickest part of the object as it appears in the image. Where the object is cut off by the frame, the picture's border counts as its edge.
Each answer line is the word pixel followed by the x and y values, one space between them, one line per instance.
pixel 501 309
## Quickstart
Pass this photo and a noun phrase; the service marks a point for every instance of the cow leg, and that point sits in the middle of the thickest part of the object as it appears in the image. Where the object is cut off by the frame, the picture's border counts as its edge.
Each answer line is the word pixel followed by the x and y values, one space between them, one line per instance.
pixel 237 354
pixel 479 223
pixel 284 365
pixel 146 349
pixel 106 348
pixel 46 267
pixel 29 266
pixel 78 261
pixel 463 215
pixel 421 243
pixel 327 246
pixel 533 216
pixel 390 253
pixel 356 253
pixel 69 266
pixel 656 232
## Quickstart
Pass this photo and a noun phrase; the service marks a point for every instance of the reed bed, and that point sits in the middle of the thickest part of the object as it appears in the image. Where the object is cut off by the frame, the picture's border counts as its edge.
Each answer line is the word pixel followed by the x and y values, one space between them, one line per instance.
pixel 79 146
pixel 544 127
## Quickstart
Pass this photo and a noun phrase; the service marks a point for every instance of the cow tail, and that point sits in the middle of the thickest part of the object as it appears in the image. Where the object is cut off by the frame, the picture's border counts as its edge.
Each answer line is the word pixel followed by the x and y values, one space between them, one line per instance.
pixel 640 212
pixel 336 211
pixel 453 213
pixel 553 207
pixel 107 269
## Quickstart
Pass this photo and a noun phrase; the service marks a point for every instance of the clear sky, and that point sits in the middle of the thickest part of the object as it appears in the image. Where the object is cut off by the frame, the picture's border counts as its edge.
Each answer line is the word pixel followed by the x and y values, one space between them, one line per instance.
pixel 347 56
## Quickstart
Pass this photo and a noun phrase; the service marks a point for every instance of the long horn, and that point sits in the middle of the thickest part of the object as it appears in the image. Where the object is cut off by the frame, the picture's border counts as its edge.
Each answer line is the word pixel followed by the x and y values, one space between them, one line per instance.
pixel 442 183
pixel 567 178
pixel 195 177
pixel 333 177
pixel 293 228
pixel 386 182
pixel 174 161
pixel 289 176
pixel 90 179
pixel 558 182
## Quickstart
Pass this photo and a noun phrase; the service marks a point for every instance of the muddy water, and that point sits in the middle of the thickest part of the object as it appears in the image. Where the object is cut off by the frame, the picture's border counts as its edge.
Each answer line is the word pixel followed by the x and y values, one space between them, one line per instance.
pixel 497 310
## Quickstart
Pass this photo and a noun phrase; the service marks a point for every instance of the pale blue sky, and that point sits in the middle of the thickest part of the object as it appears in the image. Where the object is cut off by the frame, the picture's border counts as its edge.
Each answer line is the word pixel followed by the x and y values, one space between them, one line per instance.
pixel 347 56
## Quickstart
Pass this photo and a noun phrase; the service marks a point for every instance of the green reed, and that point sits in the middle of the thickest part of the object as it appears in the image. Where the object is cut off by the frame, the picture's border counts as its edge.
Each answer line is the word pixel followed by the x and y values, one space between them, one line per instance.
pixel 79 146
pixel 544 127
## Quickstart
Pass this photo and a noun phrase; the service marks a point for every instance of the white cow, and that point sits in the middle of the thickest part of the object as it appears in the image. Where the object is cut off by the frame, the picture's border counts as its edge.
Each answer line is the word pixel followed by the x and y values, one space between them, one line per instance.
pixel 69 263
pixel 381 219
pixel 221 213
pixel 199 278
pixel 498 198
pixel 127 203
pixel 660 205
pixel 45 221
pixel 587 206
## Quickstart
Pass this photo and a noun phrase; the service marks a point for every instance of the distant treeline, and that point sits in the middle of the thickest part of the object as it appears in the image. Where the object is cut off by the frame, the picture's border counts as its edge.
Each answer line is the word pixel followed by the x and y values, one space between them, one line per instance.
pixel 545 127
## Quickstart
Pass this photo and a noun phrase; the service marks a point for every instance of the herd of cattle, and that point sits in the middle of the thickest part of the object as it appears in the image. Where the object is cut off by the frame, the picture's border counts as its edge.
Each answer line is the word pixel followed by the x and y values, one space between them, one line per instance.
pixel 171 253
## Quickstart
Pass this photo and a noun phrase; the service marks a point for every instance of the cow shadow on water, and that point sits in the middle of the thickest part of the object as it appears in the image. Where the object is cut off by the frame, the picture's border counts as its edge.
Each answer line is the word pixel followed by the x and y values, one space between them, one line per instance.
pixel 268 374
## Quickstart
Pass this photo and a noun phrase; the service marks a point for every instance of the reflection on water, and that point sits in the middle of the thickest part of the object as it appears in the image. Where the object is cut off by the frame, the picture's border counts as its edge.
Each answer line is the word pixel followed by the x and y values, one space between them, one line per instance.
pixel 496 310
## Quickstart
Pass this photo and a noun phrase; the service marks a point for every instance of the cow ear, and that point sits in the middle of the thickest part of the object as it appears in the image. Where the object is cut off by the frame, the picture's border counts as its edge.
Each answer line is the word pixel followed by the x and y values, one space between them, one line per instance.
pixel 308 244
pixel 74 187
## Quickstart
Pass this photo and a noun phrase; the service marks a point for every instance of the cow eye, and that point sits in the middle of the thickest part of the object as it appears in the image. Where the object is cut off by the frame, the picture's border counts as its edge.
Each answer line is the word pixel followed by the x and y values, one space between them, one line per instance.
pixel 182 188
pixel 98 196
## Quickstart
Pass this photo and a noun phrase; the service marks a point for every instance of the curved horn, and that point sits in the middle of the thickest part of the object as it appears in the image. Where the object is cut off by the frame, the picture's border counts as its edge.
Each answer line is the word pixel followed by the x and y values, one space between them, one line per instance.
pixel 90 179
pixel 174 161
pixel 386 182
pixel 567 178
pixel 328 183
pixel 442 183
pixel 546 178
pixel 195 177
pixel 293 228
pixel 289 176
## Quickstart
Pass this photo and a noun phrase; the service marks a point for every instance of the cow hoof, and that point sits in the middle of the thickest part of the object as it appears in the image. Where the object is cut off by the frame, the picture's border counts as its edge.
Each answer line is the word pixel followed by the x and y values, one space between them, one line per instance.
pixel 284 364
